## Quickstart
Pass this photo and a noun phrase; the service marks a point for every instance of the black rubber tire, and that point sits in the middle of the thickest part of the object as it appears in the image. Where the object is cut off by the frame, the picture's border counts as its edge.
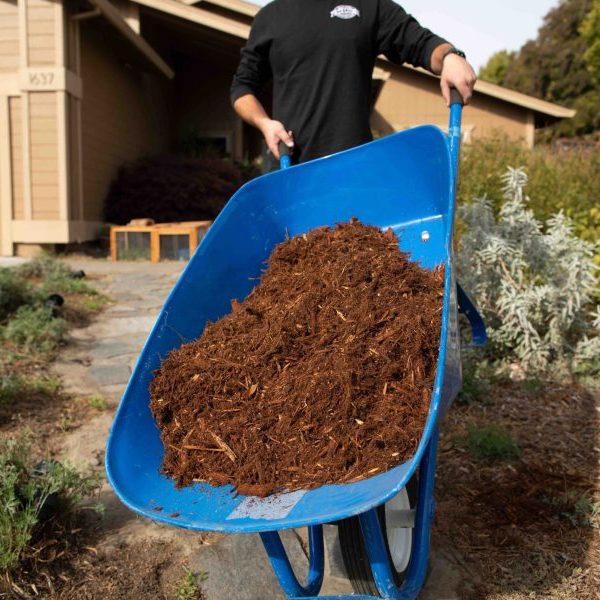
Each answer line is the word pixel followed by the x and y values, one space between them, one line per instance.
pixel 354 553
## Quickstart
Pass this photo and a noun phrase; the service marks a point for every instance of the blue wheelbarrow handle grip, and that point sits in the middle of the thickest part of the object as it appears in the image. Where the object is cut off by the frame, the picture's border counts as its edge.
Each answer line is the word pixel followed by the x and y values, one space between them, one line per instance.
pixel 467 308
pixel 285 155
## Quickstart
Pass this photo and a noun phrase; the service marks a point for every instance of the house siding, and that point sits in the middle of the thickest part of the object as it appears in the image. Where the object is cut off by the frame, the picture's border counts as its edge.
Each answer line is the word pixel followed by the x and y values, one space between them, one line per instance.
pixel 409 98
pixel 9 36
pixel 43 135
pixel 41 27
pixel 119 122
pixel 16 156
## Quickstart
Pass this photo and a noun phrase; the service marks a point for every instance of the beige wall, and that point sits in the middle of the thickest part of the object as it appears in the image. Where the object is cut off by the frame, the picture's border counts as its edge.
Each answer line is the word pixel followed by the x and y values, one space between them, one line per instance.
pixel 410 98
pixel 16 155
pixel 41 37
pixel 43 140
pixel 9 36
pixel 123 117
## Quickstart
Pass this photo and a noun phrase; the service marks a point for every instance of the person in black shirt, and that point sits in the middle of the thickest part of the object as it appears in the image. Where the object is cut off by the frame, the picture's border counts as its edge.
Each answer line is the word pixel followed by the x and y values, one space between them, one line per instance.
pixel 320 55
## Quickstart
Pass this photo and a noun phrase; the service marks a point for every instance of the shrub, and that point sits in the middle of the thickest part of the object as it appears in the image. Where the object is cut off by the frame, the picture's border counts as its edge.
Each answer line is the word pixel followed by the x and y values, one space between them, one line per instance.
pixel 14 386
pixel 567 180
pixel 55 276
pixel 533 282
pixel 172 188
pixel 35 329
pixel 492 443
pixel 14 292
pixel 24 492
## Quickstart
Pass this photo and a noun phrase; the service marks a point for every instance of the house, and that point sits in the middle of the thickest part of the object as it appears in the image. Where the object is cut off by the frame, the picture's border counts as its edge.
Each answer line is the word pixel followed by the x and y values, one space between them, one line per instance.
pixel 86 85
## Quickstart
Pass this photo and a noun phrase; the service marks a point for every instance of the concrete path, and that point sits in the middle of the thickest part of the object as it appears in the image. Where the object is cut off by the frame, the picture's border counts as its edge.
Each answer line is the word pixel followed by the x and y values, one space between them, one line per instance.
pixel 99 360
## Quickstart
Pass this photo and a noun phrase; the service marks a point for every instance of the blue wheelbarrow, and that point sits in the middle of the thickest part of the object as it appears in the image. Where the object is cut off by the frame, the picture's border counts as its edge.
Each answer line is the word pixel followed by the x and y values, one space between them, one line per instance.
pixel 406 182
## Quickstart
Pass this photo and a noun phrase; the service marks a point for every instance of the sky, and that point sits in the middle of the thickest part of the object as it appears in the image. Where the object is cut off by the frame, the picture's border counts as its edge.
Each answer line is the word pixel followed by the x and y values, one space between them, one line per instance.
pixel 480 28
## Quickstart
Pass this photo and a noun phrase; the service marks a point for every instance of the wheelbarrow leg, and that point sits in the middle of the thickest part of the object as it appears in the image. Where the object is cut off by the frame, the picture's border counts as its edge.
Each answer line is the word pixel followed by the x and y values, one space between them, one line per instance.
pixel 375 544
pixel 283 568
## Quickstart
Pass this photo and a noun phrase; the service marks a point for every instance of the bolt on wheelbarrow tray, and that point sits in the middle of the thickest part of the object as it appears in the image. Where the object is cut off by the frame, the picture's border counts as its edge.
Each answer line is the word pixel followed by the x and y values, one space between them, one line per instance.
pixel 405 182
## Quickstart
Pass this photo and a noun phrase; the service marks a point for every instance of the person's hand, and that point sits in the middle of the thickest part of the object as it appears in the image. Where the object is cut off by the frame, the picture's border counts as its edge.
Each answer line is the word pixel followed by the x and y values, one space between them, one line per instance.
pixel 457 73
pixel 274 132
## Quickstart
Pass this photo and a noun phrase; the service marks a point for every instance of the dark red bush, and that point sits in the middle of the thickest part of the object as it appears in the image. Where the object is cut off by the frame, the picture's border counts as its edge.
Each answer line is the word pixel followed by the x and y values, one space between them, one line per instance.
pixel 173 188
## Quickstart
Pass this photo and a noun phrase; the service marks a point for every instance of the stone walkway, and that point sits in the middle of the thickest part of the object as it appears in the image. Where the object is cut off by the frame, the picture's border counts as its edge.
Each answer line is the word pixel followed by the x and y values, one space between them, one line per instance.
pixel 98 360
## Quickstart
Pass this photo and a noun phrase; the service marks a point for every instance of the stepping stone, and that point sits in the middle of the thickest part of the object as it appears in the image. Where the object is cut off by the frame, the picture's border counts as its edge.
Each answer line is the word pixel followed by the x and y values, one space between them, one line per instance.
pixel 106 375
pixel 111 349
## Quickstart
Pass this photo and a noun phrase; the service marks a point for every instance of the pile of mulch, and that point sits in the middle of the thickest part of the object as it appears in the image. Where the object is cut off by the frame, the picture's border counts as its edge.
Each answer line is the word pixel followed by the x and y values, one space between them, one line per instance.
pixel 322 375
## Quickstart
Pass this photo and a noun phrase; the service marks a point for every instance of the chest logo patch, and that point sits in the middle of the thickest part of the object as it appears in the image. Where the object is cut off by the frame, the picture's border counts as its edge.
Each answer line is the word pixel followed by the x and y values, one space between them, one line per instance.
pixel 345 11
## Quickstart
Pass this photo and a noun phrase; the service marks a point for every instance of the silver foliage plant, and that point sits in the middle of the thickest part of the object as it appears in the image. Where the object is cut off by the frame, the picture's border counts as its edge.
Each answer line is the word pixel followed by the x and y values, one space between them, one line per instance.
pixel 534 282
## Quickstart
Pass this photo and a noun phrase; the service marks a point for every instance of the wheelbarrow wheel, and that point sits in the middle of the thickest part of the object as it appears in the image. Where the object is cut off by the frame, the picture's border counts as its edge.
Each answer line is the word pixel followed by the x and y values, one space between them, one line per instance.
pixel 398 539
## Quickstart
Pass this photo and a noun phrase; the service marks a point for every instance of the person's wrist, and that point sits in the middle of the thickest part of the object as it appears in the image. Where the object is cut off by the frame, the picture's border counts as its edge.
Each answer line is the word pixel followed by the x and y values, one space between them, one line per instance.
pixel 261 123
pixel 452 59
pixel 453 53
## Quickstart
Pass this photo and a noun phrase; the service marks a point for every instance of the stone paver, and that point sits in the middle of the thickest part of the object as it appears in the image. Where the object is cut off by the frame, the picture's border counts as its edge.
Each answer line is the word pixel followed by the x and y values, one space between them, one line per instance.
pixel 99 360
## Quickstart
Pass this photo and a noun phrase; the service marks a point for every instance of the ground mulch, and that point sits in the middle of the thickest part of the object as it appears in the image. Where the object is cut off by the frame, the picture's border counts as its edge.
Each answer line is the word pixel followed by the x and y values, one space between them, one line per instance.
pixel 322 375
pixel 527 528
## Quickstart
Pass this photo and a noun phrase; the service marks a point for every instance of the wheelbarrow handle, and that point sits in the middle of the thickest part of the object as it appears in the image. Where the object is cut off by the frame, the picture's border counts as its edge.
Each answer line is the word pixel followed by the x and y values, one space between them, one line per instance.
pixel 285 155
pixel 467 307
pixel 454 129
pixel 455 97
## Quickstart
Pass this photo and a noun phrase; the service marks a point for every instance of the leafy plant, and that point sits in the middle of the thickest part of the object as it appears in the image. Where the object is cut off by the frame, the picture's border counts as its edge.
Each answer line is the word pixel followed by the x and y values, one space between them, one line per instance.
pixel 24 492
pixel 55 276
pixel 98 402
pixel 13 386
pixel 476 388
pixel 188 587
pixel 14 292
pixel 534 283
pixel 35 329
pixel 491 443
pixel 579 510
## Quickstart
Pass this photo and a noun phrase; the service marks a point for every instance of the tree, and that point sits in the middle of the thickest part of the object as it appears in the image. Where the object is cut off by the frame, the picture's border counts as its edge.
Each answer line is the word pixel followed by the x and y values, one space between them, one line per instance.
pixel 496 67
pixel 561 65
pixel 590 32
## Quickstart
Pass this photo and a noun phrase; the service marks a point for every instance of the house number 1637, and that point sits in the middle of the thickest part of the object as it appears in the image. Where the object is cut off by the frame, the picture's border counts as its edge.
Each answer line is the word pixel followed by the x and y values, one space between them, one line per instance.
pixel 41 78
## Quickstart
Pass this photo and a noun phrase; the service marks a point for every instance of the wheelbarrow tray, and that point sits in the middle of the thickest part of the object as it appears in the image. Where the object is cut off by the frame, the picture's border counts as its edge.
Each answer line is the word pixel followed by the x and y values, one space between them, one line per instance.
pixel 403 182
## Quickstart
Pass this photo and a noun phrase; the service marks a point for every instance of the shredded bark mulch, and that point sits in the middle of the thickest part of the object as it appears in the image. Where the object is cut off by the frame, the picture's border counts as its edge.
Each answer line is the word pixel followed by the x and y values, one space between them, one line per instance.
pixel 322 375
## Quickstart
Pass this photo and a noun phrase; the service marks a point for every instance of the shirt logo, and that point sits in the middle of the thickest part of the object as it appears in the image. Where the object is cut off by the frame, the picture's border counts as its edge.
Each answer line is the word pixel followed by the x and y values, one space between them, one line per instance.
pixel 345 11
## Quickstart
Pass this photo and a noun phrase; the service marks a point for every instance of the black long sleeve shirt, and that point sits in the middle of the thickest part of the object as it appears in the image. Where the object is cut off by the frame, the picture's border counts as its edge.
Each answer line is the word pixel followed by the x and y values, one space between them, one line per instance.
pixel 320 55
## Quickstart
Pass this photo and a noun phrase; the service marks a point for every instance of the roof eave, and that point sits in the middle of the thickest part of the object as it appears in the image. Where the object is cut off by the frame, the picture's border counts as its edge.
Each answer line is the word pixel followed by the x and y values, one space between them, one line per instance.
pixel 239 6
pixel 199 16
pixel 512 97
pixel 113 16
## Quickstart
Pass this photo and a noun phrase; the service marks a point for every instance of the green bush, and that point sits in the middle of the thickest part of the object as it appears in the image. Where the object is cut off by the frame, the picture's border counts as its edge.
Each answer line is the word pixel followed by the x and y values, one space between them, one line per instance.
pixel 567 180
pixel 24 492
pixel 55 277
pixel 35 329
pixel 14 292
